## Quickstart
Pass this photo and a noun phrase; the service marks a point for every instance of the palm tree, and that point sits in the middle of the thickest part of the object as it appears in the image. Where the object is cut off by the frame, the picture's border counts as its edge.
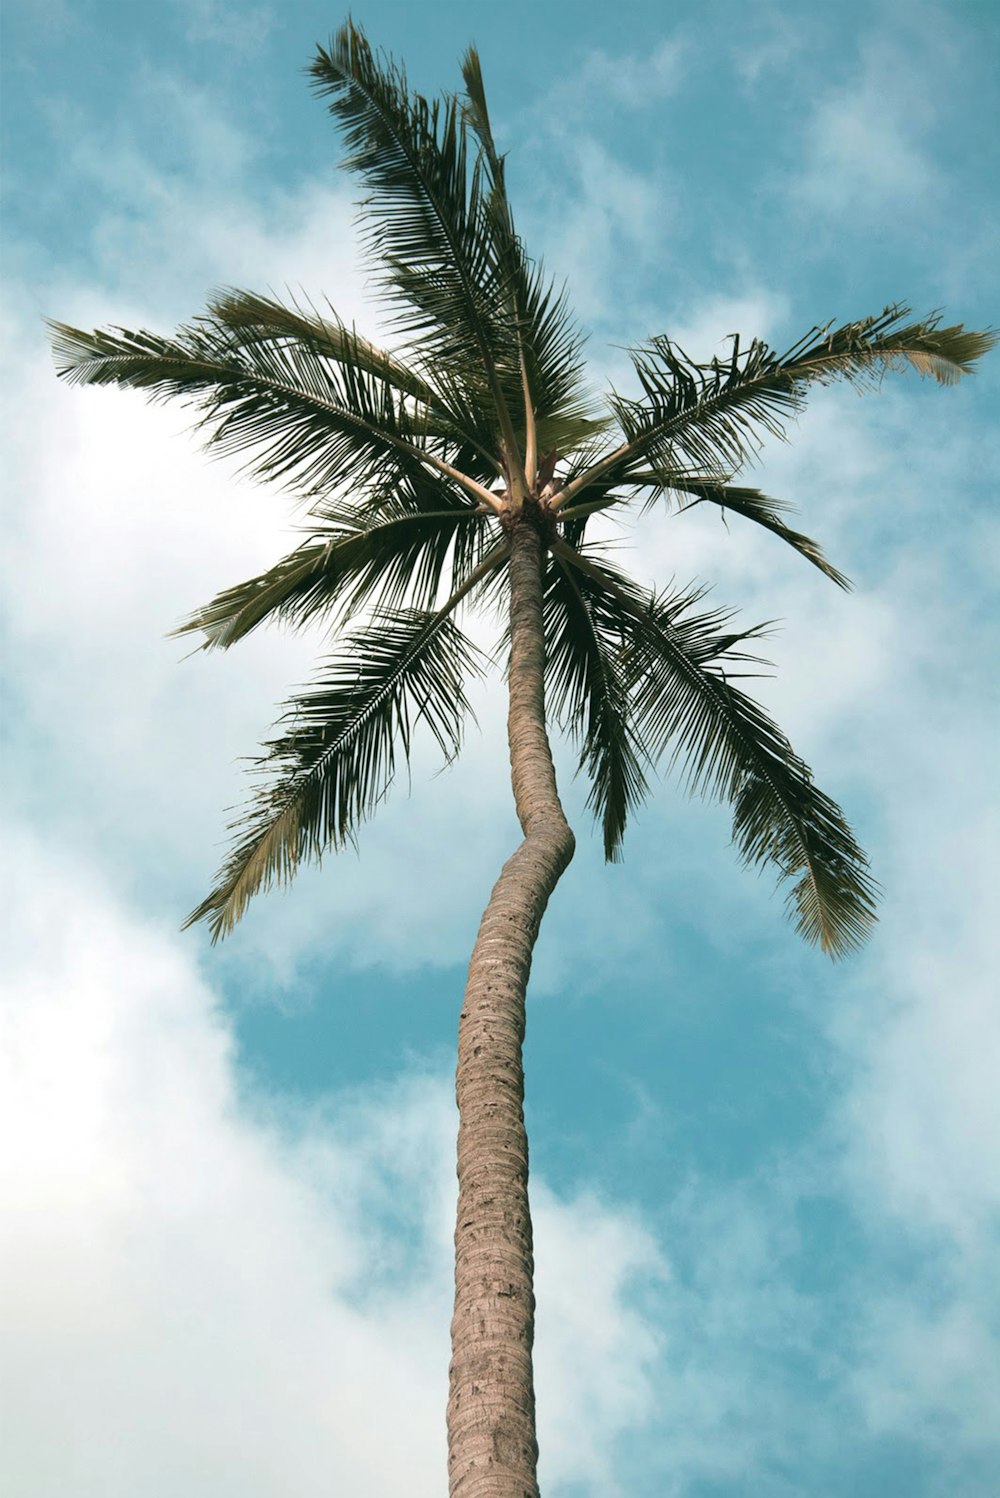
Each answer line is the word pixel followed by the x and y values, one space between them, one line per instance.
pixel 462 469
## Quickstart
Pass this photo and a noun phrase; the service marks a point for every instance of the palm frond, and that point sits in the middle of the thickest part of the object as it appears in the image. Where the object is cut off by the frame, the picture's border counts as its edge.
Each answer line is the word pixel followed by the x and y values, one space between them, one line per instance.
pixel 424 217
pixel 549 342
pixel 265 317
pixel 308 423
pixel 337 756
pixel 585 636
pixel 445 414
pixel 593 507
pixel 731 748
pixel 384 563
pixel 679 670
pixel 711 418
pixel 399 454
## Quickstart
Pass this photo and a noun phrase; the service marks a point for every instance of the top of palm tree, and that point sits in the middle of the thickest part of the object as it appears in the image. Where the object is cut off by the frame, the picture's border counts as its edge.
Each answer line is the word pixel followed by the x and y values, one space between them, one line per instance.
pixel 416 462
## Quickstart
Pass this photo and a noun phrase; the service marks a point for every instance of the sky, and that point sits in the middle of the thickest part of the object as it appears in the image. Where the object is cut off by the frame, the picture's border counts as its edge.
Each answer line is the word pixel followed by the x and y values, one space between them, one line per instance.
pixel 766 1188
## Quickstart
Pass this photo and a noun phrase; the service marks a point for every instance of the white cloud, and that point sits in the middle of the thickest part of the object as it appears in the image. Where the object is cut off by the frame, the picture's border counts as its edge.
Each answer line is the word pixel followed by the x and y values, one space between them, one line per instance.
pixel 596 1330
pixel 933 1369
pixel 607 211
pixel 753 314
pixel 127 748
pixel 178 1286
pixel 895 706
pixel 918 1139
pixel 203 1286
pixel 776 39
pixel 128 530
pixel 591 209
pixel 883 692
pixel 925 1039
pixel 199 1292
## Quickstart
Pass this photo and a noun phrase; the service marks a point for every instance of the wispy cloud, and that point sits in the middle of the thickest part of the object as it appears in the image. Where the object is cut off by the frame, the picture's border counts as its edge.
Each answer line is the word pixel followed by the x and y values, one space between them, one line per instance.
pixel 638 82
pixel 243 28
pixel 866 138
pixel 777 36
pixel 591 209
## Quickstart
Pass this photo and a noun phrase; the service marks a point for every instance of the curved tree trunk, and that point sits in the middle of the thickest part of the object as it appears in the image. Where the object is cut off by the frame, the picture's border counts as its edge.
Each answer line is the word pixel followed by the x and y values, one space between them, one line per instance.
pixel 492 1450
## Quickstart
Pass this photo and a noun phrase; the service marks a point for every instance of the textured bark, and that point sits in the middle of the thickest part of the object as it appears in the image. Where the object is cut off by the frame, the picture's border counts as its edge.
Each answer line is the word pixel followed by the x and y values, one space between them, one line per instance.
pixel 492 1450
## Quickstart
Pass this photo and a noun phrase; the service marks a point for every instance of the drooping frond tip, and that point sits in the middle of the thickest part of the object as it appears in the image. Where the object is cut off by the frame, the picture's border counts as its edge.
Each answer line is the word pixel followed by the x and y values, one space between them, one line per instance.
pixel 712 418
pixel 651 677
pixel 337 756
pixel 946 354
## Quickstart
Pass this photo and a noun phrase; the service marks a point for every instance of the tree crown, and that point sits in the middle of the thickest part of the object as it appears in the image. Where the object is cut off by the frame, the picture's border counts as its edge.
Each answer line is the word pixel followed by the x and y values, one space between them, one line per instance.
pixel 415 463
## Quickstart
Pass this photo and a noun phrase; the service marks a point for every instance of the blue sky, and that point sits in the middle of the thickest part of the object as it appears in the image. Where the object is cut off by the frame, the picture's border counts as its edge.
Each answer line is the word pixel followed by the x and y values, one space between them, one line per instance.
pixel 765 1187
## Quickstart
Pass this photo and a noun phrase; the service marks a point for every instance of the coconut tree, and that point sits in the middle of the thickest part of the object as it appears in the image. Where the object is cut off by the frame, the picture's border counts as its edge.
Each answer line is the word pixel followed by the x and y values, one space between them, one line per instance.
pixel 461 469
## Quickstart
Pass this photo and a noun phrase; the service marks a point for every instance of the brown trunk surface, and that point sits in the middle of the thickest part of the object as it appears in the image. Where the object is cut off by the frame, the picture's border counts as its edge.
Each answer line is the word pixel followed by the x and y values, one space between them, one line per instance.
pixel 492 1450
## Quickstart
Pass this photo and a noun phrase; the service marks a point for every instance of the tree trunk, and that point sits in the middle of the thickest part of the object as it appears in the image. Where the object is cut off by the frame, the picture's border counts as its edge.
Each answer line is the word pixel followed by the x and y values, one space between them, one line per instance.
pixel 492 1450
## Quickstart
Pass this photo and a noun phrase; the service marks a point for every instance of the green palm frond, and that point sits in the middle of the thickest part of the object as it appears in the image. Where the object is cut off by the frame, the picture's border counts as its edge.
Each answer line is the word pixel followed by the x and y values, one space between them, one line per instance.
pixel 588 689
pixel 425 219
pixel 337 757
pixel 549 342
pixel 309 423
pixel 265 317
pixel 577 515
pixel 565 411
pixel 445 414
pixel 385 563
pixel 679 670
pixel 711 418
pixel 731 748
pixel 717 412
